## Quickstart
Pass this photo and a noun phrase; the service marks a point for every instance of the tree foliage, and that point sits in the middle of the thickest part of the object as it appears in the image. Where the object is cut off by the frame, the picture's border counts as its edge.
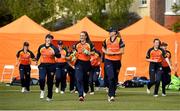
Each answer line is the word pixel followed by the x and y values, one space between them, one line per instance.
pixel 176 8
pixel 105 13
pixel 116 11
pixel 38 10
pixel 5 15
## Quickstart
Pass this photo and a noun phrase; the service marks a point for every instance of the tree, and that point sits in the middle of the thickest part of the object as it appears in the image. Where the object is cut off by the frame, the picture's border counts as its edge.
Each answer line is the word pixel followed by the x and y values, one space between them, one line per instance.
pixel 176 7
pixel 105 13
pixel 5 15
pixel 38 10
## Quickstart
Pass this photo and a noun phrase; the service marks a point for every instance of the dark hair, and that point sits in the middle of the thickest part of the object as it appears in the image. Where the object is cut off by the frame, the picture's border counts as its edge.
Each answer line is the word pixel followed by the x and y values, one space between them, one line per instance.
pixel 26 44
pixel 60 42
pixel 156 39
pixel 49 36
pixel 111 29
pixel 164 44
pixel 87 37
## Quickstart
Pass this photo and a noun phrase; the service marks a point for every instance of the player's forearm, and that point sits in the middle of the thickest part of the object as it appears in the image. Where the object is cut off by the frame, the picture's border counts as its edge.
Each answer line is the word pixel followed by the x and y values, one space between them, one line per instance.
pixel 38 56
pixel 168 61
pixel 67 58
pixel 17 61
pixel 150 60
pixel 104 51
pixel 121 51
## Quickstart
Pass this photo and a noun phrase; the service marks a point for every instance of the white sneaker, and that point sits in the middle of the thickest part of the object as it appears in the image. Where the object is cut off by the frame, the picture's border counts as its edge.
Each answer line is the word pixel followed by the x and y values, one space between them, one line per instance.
pixel 23 89
pixel 84 94
pixel 91 93
pixel 97 88
pixel 57 90
pixel 111 99
pixel 155 95
pixel 48 99
pixel 148 91
pixel 42 94
pixel 163 95
pixel 107 90
pixel 72 91
pixel 26 91
pixel 62 92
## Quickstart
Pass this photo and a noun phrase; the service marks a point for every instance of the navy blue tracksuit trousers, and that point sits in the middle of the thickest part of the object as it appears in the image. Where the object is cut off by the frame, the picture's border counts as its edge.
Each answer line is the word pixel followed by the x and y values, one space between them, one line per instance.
pixel 25 71
pixel 82 69
pixel 49 70
pixel 61 73
pixel 112 69
pixel 155 74
pixel 93 77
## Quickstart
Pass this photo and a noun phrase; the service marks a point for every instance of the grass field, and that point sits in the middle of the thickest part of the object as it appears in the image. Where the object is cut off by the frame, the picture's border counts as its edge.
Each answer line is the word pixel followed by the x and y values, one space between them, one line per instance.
pixel 127 99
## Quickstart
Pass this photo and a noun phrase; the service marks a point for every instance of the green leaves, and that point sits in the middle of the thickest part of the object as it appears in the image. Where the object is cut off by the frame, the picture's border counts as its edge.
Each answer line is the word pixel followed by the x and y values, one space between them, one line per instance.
pixel 38 10
pixel 176 27
pixel 115 11
pixel 105 13
pixel 176 8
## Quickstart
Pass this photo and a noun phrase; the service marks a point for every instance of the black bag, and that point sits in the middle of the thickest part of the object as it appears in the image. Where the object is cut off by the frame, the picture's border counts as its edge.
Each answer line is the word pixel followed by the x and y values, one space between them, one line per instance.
pixel 17 82
pixel 127 83
pixel 132 84
pixel 141 80
pixel 136 82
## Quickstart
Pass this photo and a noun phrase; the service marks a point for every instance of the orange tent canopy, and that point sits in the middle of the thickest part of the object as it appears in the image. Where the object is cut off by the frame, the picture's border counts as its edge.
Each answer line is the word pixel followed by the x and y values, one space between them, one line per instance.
pixel 14 34
pixel 177 50
pixel 72 33
pixel 138 39
pixel 23 25
pixel 178 33
pixel 146 26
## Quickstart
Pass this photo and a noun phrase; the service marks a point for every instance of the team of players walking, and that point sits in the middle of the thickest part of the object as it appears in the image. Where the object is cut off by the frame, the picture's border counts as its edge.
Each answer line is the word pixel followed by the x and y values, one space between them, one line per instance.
pixel 82 63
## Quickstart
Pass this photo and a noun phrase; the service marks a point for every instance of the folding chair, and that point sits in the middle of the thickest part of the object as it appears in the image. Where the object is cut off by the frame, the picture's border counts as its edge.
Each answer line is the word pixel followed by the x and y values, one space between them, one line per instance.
pixel 34 71
pixel 7 73
pixel 130 71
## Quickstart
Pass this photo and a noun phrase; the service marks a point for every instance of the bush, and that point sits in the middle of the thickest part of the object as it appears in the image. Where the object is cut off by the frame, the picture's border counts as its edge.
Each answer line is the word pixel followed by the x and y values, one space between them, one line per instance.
pixel 176 27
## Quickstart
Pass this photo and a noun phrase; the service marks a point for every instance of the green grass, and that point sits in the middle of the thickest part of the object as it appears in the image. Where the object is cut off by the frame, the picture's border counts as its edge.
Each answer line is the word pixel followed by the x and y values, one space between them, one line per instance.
pixel 127 99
